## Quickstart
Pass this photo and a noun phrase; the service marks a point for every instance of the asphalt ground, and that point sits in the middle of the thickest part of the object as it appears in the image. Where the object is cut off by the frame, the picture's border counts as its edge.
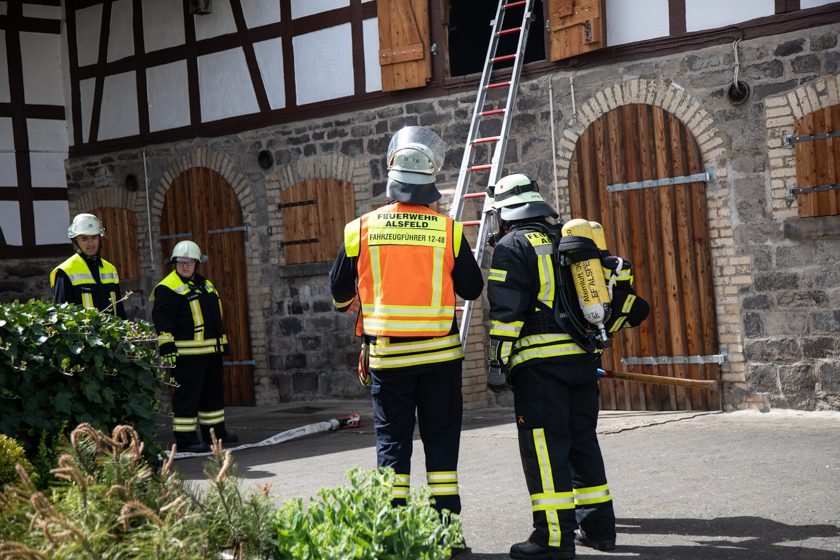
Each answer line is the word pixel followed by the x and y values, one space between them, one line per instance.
pixel 686 485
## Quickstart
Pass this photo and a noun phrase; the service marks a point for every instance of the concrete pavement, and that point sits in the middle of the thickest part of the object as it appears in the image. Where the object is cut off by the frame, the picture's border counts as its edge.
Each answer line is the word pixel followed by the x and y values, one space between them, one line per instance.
pixel 687 485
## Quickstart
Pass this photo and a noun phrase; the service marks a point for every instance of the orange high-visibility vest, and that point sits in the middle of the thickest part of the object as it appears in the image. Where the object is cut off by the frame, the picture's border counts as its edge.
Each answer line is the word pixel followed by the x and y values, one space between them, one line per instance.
pixel 406 254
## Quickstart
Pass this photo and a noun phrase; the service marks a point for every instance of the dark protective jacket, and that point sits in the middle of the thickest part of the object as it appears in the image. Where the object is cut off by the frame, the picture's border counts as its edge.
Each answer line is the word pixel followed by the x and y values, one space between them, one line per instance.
pixel 89 282
pixel 404 351
pixel 188 316
pixel 522 287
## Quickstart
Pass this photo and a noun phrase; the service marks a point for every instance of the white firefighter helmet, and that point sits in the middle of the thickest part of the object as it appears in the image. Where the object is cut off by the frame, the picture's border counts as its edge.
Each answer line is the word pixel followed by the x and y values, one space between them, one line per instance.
pixel 187 249
pixel 85 224
pixel 415 156
pixel 517 197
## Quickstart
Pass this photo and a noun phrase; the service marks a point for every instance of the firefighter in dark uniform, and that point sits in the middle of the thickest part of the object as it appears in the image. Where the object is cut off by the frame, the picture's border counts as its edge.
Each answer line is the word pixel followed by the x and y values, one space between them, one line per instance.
pixel 86 278
pixel 403 264
pixel 187 314
pixel 553 377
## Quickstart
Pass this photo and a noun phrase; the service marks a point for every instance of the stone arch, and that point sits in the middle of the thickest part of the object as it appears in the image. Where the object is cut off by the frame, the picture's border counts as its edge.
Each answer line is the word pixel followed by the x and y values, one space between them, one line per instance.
pixel 730 270
pixel 109 196
pixel 780 114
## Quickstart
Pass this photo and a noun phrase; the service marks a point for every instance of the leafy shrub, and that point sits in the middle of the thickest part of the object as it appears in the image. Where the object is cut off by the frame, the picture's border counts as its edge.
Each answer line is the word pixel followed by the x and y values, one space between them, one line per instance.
pixel 113 505
pixel 11 454
pixel 359 523
pixel 63 365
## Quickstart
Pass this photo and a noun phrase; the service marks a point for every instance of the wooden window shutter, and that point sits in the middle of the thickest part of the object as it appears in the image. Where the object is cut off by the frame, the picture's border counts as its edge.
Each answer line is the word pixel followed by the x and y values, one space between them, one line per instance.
pixel 404 45
pixel 818 162
pixel 577 27
pixel 120 244
pixel 314 213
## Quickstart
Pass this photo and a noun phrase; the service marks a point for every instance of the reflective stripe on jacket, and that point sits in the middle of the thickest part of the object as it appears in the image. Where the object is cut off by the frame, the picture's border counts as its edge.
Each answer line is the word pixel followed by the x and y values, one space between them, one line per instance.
pixel 406 254
pixel 79 274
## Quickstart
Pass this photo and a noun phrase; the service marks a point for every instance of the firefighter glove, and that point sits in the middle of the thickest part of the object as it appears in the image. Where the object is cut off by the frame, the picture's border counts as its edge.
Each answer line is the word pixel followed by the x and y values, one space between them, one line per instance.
pixel 498 378
pixel 169 353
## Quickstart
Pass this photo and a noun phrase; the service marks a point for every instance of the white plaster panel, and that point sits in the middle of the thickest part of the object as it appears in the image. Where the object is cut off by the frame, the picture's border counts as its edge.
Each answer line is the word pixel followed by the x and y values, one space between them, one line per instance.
pixel 88 26
pixel 628 22
pixel 121 35
pixel 220 22
pixel 8 167
pixel 39 11
pixel 52 218
pixel 86 101
pixel 7 139
pixel 270 60
pixel 225 85
pixel 40 55
pixel 2 8
pixel 301 8
pixel 324 64
pixel 370 39
pixel 805 4
pixel 48 150
pixel 168 94
pixel 163 24
pixel 260 12
pixel 4 70
pixel 118 117
pixel 10 222
pixel 711 14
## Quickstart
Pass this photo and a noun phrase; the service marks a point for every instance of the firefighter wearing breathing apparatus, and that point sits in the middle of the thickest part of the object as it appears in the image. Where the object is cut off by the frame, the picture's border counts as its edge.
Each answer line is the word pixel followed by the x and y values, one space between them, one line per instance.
pixel 548 326
pixel 86 278
pixel 403 265
pixel 187 314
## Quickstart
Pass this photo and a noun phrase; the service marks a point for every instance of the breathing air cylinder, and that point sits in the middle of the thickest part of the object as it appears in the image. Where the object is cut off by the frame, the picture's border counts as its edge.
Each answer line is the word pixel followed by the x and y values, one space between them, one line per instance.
pixel 598 235
pixel 588 279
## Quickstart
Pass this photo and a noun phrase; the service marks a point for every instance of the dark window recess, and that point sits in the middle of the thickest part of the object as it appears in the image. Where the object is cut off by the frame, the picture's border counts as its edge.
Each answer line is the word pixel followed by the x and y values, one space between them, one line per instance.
pixel 469 35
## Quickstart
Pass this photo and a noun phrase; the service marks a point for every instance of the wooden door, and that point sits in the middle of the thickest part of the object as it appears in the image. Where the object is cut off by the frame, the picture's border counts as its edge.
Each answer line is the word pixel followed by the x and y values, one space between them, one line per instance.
pixel 120 244
pixel 405 56
pixel 314 213
pixel 201 206
pixel 663 231
pixel 818 162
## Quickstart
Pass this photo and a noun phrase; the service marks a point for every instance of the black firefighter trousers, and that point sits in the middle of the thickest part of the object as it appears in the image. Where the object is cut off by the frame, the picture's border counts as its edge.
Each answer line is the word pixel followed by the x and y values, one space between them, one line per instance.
pixel 434 392
pixel 556 407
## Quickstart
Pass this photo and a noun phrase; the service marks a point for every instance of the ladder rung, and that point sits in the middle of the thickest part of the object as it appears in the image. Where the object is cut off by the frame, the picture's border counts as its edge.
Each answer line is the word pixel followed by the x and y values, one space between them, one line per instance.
pixel 509 31
pixel 482 167
pixel 514 4
pixel 491 112
pixel 475 195
pixel 471 223
pixel 498 85
pixel 459 308
pixel 486 139
pixel 503 57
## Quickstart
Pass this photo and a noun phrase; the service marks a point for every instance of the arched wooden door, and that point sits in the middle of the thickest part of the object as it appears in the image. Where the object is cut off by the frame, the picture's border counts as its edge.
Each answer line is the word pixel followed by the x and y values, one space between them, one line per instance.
pixel 201 206
pixel 630 171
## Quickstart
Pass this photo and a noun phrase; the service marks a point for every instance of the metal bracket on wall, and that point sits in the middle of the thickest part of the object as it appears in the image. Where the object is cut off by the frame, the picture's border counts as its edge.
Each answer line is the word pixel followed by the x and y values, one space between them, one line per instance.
pixel 788 140
pixel 793 191
pixel 240 363
pixel 175 235
pixel 705 177
pixel 246 229
pixel 673 360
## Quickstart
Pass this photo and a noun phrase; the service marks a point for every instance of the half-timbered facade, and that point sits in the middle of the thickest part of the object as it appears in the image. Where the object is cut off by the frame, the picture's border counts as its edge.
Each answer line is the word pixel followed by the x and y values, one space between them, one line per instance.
pixel 703 134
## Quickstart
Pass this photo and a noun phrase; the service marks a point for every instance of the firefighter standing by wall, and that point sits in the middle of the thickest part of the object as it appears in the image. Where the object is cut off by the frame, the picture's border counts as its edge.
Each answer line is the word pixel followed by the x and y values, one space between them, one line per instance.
pixel 187 314
pixel 404 264
pixel 86 278
pixel 553 378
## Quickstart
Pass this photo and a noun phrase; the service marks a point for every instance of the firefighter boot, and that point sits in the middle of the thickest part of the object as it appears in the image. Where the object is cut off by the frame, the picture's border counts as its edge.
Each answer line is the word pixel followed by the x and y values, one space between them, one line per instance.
pixel 221 433
pixel 598 544
pixel 530 550
pixel 188 442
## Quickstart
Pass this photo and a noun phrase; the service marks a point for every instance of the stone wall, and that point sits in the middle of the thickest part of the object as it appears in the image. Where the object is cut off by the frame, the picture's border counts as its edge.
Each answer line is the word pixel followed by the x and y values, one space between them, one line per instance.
pixel 761 276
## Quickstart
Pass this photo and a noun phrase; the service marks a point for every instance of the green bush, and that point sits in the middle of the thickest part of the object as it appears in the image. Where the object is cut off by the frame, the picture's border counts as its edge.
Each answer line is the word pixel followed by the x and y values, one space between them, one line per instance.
pixel 63 365
pixel 12 454
pixel 359 523
pixel 112 504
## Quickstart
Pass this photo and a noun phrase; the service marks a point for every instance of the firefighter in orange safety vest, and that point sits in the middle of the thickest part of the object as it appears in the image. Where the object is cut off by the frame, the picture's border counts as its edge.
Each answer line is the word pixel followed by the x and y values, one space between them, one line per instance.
pixel 86 278
pixel 187 314
pixel 403 264
pixel 542 349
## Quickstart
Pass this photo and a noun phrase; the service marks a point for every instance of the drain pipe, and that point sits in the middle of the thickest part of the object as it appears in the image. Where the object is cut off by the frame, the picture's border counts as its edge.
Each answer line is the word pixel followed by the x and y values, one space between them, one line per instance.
pixel 553 140
pixel 148 214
